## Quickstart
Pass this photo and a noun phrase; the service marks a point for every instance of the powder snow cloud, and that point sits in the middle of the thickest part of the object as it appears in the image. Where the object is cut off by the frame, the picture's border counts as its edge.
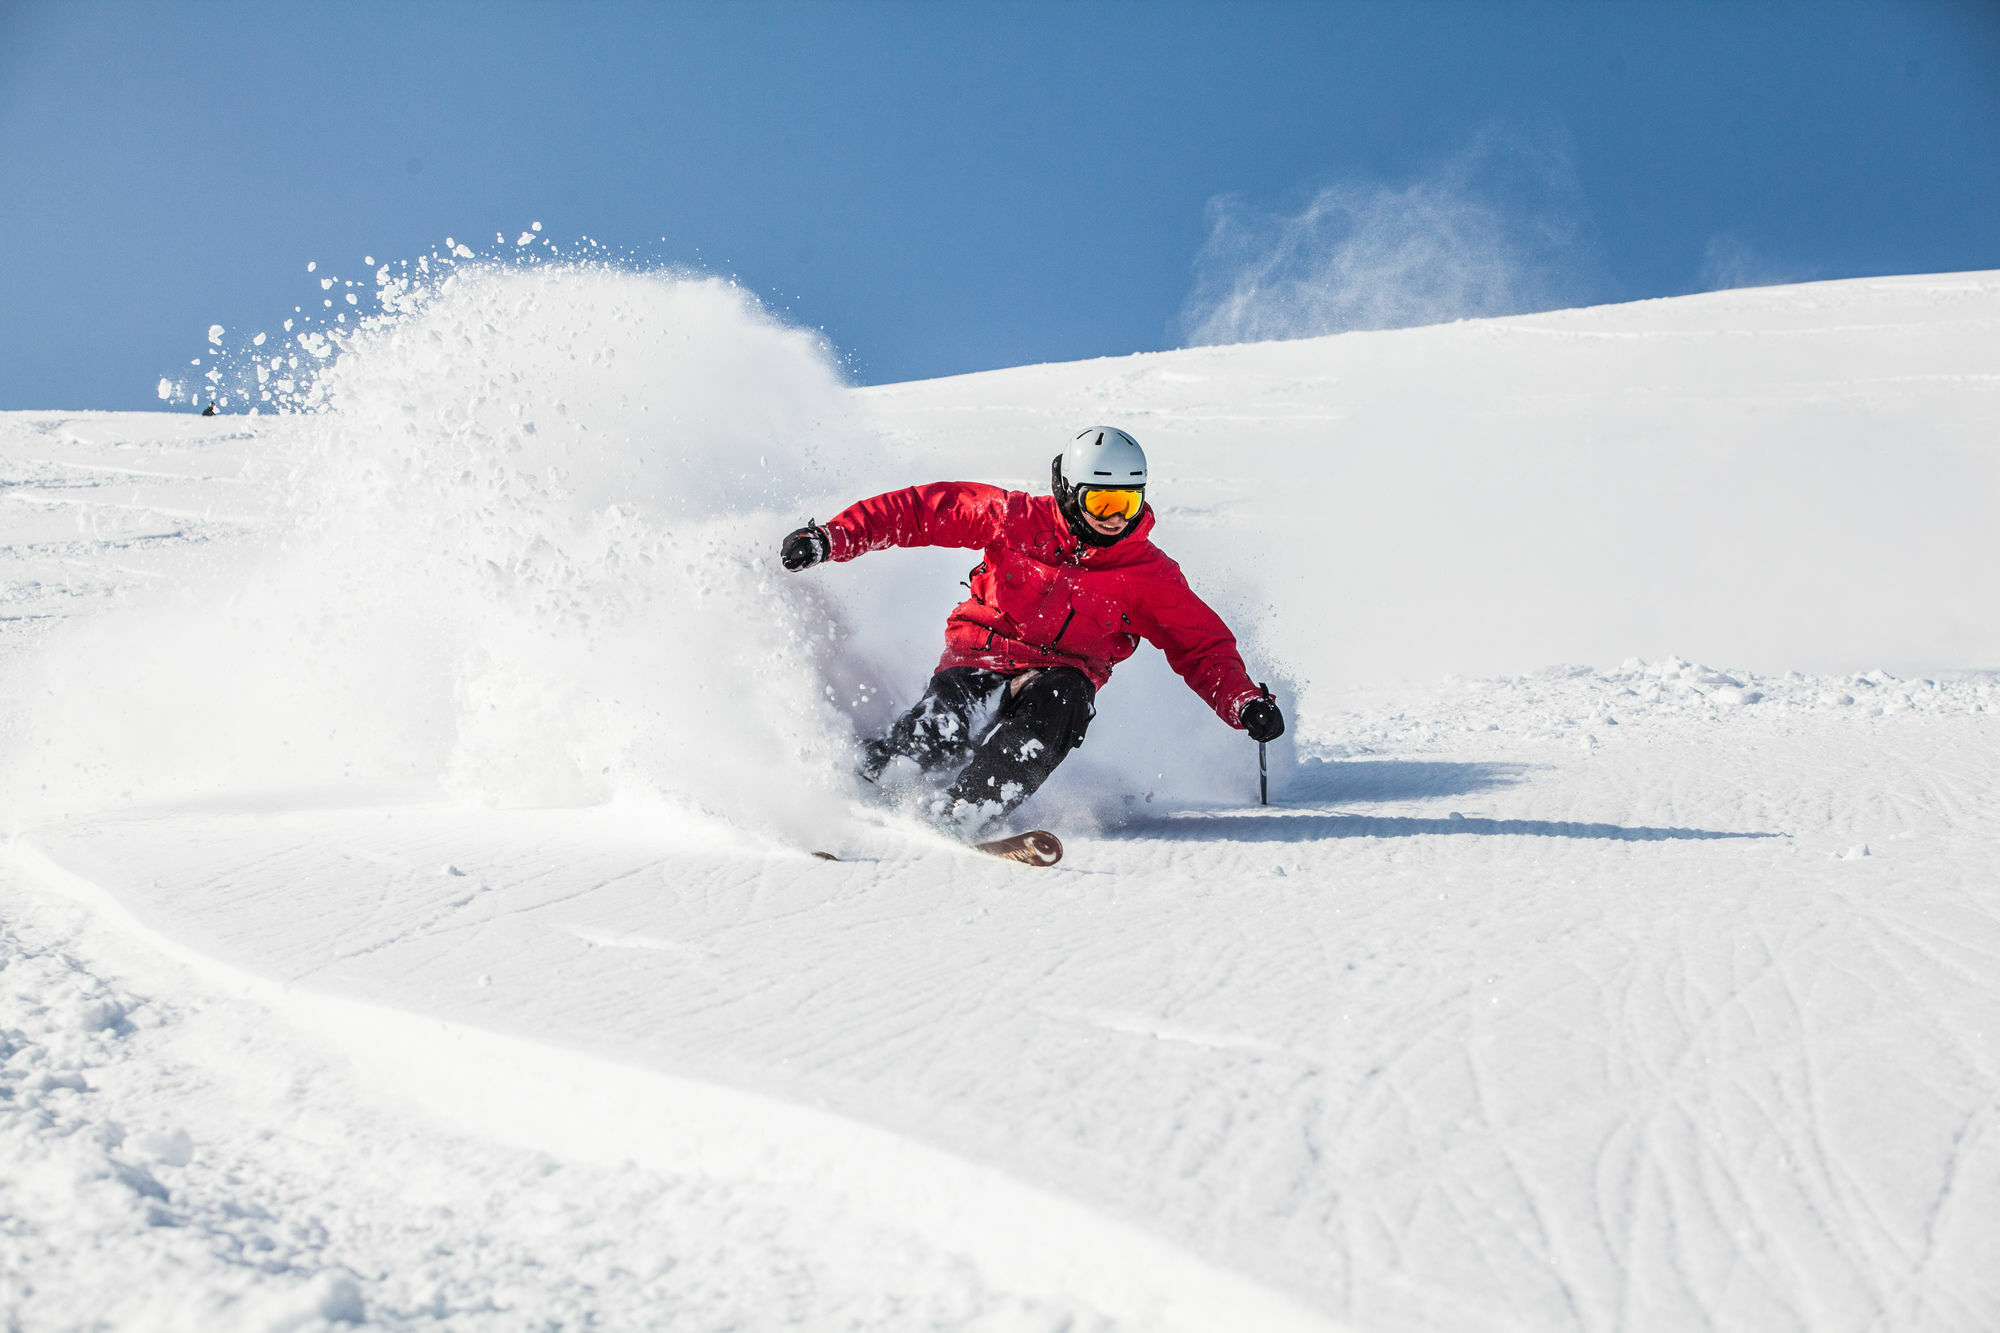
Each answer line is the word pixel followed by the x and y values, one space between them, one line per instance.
pixel 1494 229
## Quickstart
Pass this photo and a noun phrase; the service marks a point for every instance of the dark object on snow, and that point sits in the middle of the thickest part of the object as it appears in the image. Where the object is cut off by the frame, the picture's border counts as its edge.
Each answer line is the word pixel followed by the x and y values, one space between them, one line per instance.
pixel 1038 718
pixel 209 411
pixel 805 547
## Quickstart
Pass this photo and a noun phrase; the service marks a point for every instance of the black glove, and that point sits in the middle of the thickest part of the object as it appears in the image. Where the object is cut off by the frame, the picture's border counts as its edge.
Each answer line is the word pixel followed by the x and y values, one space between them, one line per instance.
pixel 1261 718
pixel 807 546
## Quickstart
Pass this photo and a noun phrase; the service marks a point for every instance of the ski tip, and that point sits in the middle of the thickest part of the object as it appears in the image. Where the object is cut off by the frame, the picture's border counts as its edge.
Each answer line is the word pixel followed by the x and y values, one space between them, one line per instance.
pixel 826 856
pixel 1036 847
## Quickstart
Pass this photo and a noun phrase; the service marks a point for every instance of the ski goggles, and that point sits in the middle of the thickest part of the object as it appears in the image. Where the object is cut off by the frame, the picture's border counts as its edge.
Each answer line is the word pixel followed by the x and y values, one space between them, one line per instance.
pixel 1112 502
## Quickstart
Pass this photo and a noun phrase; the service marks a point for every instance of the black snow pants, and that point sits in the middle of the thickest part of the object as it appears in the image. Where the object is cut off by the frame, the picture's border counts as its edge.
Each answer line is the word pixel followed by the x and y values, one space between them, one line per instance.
pixel 1013 729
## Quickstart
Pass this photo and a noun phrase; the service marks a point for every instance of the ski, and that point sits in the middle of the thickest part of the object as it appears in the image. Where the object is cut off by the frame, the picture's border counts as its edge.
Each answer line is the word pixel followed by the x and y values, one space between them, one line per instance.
pixel 1036 847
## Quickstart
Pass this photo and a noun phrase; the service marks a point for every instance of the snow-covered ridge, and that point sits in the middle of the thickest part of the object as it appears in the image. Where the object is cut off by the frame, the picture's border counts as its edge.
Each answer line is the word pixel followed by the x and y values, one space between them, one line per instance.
pixel 1787 478
pixel 463 743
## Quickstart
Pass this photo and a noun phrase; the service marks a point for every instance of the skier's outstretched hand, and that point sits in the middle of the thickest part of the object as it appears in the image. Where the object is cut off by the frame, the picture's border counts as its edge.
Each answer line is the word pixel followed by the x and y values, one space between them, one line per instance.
pixel 1261 718
pixel 807 546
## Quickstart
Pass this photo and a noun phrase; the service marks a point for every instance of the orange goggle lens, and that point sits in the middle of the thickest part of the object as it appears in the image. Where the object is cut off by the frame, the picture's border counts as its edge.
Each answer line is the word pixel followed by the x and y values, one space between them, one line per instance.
pixel 1109 503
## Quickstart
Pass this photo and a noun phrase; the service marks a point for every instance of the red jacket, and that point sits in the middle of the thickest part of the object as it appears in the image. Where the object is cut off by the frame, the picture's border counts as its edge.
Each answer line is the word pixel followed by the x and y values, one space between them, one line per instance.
pixel 1041 598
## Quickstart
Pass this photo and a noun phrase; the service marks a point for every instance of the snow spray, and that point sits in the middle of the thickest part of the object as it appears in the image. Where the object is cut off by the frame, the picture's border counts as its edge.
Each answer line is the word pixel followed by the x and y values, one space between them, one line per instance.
pixel 524 560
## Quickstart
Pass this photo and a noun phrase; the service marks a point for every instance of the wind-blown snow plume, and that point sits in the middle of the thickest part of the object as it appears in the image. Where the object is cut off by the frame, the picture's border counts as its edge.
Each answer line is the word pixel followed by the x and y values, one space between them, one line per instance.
pixel 516 566
pixel 1730 262
pixel 1491 231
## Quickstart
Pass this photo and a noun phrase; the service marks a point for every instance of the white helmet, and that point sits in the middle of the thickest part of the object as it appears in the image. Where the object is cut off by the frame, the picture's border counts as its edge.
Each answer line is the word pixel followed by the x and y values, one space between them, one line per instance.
pixel 1101 456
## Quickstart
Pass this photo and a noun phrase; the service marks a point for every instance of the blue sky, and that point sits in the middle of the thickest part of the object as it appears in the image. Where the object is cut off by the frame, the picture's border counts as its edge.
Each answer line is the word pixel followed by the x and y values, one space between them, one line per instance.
pixel 955 187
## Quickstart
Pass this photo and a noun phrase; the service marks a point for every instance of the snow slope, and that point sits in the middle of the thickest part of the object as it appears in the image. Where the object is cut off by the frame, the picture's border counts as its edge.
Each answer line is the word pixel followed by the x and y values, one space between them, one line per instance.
pixel 486 759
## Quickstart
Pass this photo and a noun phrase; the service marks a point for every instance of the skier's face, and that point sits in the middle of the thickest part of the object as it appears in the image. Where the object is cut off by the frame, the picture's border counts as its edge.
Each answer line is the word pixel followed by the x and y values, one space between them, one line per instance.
pixel 1110 509
pixel 1108 527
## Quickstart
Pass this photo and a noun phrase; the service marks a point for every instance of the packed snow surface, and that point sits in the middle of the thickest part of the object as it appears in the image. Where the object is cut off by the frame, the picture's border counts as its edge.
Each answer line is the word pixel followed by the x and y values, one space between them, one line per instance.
pixel 408 917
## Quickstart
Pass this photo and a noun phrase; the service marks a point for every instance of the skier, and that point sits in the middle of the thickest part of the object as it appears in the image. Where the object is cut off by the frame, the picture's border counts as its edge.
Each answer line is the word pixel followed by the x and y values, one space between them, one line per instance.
pixel 1069 585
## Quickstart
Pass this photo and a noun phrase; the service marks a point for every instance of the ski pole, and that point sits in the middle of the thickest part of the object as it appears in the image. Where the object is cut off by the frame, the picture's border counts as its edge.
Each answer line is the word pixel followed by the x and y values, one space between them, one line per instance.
pixel 1263 771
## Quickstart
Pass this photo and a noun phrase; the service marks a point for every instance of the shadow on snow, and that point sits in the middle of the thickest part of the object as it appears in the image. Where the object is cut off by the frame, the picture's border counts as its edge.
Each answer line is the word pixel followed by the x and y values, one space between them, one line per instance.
pixel 1281 825
pixel 1320 782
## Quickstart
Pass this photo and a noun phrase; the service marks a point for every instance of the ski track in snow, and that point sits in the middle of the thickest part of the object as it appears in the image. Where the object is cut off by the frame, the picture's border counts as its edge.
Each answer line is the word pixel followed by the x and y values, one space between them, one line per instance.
pixel 177 1163
pixel 1653 996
